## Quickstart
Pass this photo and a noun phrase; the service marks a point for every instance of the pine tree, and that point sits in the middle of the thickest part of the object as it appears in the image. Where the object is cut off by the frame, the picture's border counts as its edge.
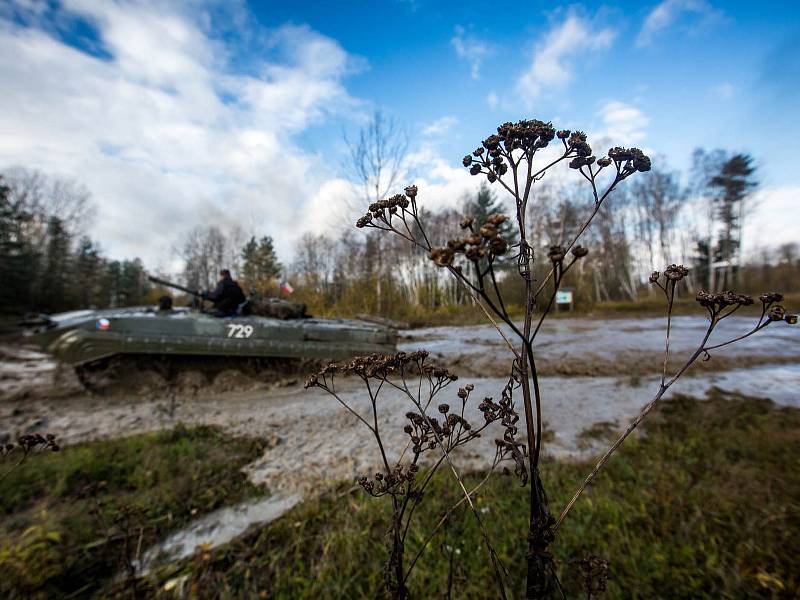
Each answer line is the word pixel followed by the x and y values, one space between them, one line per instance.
pixel 133 282
pixel 260 265
pixel 485 203
pixel 730 186
pixel 88 273
pixel 16 256
pixel 113 277
pixel 58 268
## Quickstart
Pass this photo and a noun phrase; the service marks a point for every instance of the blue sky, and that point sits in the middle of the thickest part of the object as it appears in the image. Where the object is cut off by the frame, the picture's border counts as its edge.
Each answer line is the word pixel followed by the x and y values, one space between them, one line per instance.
pixel 713 76
pixel 178 114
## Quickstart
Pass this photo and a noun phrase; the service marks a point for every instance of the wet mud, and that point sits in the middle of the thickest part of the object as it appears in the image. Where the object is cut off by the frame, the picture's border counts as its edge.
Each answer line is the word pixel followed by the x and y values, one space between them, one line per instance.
pixel 596 375
pixel 608 347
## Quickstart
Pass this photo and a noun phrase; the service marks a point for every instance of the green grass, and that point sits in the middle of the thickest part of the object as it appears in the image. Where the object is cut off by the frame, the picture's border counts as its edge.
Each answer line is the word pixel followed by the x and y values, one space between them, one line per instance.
pixel 67 517
pixel 706 505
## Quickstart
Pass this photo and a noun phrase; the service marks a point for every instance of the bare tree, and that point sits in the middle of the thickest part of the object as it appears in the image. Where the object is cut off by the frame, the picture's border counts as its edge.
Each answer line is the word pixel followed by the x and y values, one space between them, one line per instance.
pixel 206 250
pixel 45 196
pixel 316 260
pixel 375 164
pixel 376 157
pixel 660 199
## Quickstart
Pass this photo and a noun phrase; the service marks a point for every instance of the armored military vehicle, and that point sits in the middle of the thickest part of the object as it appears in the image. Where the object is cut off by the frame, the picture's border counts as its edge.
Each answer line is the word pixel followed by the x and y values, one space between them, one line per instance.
pixel 166 341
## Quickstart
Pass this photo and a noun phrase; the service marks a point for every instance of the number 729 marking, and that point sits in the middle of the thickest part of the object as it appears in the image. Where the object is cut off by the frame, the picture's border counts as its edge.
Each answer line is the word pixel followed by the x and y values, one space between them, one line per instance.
pixel 235 330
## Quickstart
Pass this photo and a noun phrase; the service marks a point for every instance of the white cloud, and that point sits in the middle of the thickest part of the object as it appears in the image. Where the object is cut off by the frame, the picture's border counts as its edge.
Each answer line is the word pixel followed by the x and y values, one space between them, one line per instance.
pixel 669 11
pixel 441 185
pixel 492 100
pixel 165 132
pixel 773 219
pixel 622 123
pixel 440 126
pixel 332 207
pixel 472 50
pixel 552 59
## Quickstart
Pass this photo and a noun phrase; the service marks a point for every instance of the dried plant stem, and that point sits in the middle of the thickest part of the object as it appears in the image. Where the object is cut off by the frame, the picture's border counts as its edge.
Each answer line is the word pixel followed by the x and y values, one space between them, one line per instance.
pixel 14 466
pixel 670 300
pixel 632 426
pixel 604 459
pixel 444 518
pixel 493 322
pixel 496 563
pixel 757 328
pixel 703 349
pixel 511 154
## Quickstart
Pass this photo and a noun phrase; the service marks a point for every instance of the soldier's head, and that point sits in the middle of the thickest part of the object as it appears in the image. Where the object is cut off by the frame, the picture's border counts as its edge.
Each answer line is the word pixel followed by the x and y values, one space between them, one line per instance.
pixel 224 274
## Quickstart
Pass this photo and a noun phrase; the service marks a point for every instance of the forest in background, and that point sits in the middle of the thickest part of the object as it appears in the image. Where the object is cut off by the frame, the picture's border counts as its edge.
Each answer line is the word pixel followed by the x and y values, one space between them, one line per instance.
pixel 50 263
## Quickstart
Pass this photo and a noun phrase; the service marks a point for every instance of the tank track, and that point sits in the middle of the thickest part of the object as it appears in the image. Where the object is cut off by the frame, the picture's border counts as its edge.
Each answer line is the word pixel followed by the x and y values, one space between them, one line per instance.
pixel 170 373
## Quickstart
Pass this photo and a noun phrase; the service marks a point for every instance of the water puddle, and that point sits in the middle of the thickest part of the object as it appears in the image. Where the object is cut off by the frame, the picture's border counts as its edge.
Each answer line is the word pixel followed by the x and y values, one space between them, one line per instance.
pixel 779 383
pixel 600 347
pixel 217 528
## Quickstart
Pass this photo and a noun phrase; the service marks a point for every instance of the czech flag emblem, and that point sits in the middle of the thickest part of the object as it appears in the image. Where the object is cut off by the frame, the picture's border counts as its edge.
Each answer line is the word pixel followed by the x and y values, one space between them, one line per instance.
pixel 103 324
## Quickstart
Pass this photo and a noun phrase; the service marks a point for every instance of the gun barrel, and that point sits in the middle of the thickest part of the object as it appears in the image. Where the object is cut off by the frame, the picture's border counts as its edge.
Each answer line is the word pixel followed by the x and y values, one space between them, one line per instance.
pixel 173 285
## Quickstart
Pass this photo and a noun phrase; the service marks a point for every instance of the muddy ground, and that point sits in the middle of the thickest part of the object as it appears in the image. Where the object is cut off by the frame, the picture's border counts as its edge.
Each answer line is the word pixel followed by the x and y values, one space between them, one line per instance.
pixel 593 371
pixel 608 347
pixel 596 374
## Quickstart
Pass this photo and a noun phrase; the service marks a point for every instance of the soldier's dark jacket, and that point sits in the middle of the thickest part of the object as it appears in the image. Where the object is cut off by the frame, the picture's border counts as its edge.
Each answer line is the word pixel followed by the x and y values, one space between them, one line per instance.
pixel 227 296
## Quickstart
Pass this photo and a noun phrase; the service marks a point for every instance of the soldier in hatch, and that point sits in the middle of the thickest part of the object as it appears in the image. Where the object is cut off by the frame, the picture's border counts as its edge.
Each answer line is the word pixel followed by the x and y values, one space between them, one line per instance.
pixel 227 296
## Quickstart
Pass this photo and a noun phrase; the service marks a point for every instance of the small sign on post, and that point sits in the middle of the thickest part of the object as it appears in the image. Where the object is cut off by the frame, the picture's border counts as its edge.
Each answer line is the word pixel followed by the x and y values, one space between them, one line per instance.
pixel 564 300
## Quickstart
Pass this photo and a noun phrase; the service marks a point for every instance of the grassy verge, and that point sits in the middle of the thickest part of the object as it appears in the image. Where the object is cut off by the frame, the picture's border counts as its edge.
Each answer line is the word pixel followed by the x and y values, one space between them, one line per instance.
pixel 74 519
pixel 706 505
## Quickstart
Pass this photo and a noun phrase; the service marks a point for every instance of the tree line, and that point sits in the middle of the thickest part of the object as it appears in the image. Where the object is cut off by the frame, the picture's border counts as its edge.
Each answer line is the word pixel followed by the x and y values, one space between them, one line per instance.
pixel 663 218
pixel 49 262
pixel 694 218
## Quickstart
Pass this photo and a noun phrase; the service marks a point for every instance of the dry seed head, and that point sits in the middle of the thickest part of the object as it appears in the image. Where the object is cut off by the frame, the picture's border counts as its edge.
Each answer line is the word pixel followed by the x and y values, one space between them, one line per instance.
pixel 579 251
pixel 676 272
pixel 498 246
pixel 770 297
pixel 488 231
pixel 777 313
pixel 556 253
pixel 457 244
pixel 496 219
pixel 442 257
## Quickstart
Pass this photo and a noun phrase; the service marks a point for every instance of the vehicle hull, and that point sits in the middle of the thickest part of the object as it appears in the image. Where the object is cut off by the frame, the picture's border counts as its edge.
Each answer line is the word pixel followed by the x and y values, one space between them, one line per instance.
pixel 83 337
